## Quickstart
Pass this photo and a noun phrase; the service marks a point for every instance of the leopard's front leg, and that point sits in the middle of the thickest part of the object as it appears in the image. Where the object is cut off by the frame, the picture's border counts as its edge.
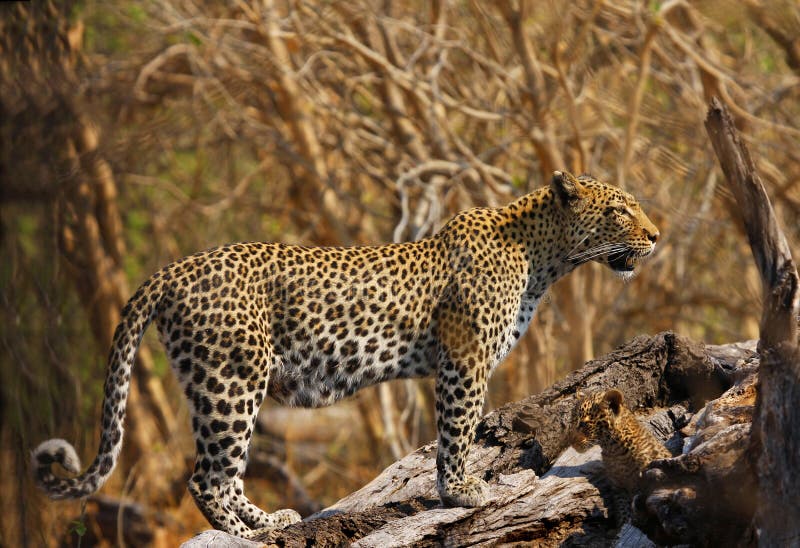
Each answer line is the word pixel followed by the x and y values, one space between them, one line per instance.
pixel 460 390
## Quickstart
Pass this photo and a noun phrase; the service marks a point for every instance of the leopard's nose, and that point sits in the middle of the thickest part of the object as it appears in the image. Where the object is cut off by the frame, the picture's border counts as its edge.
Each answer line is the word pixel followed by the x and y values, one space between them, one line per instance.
pixel 653 236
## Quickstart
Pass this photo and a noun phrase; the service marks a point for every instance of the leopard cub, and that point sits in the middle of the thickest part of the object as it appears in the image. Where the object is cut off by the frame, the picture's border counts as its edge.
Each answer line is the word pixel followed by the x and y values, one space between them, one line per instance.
pixel 627 446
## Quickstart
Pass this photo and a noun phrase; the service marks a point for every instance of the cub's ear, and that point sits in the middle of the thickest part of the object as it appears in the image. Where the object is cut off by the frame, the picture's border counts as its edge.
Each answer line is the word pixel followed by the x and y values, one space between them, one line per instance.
pixel 568 190
pixel 614 398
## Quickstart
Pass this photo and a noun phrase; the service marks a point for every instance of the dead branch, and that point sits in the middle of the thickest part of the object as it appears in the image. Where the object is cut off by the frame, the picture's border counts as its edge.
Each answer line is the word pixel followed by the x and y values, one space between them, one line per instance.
pixel 775 446
pixel 706 496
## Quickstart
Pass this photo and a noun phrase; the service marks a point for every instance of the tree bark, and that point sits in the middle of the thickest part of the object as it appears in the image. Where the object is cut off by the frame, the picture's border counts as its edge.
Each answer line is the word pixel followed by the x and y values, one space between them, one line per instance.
pixel 775 442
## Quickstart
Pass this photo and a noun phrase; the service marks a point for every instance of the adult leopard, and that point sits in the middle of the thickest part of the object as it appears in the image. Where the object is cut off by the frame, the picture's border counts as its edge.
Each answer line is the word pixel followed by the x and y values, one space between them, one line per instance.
pixel 311 325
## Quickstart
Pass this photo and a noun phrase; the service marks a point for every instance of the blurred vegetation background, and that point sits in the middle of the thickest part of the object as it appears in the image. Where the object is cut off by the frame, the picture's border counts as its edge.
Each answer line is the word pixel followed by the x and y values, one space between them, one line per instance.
pixel 133 133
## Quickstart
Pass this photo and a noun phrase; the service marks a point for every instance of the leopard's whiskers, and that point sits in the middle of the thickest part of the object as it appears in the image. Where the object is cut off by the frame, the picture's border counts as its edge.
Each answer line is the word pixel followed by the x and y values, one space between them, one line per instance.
pixel 596 251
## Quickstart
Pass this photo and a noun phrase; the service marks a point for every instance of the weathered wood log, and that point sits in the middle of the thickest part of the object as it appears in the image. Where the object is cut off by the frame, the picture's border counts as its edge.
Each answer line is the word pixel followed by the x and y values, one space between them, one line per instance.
pixel 775 447
pixel 706 496
pixel 535 497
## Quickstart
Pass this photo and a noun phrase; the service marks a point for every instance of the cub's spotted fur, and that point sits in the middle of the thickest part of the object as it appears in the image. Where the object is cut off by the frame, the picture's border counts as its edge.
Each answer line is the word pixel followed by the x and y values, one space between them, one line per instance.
pixel 627 446
pixel 311 325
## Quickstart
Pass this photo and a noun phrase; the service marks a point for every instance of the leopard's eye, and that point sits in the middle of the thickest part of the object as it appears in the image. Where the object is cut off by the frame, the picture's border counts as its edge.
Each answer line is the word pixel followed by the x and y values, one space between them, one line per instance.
pixel 618 208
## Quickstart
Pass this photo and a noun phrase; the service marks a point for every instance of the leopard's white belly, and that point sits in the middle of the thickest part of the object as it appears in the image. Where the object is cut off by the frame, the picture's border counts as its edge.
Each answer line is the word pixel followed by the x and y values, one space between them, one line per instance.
pixel 527 309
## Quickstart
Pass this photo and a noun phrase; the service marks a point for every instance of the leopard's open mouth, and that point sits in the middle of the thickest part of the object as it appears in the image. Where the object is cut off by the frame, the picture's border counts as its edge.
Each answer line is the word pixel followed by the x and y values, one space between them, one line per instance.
pixel 624 261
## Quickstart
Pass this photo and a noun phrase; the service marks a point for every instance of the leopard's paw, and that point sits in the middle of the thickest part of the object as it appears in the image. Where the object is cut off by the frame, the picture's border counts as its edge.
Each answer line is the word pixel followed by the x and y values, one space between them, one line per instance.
pixel 470 492
pixel 286 517
pixel 278 519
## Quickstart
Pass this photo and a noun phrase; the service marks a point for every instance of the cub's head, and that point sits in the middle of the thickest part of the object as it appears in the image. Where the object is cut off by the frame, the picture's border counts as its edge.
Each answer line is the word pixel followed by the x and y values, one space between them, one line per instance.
pixel 594 415
pixel 605 223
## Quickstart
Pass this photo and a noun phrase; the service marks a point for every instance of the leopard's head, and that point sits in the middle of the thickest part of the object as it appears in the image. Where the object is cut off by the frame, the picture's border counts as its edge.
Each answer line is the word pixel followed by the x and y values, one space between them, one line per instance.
pixel 605 223
pixel 593 415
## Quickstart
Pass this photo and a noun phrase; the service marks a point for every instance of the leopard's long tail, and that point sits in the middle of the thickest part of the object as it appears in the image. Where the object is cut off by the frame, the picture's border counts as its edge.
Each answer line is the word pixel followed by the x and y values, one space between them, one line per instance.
pixel 135 318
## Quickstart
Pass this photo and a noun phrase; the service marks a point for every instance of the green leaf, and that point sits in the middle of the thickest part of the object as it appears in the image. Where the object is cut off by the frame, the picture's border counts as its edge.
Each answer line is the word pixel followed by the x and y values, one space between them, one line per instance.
pixel 78 527
pixel 193 38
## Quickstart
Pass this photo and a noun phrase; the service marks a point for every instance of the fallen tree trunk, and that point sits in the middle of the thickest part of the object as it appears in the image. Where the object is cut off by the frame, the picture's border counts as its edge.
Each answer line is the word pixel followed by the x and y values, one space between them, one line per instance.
pixel 535 497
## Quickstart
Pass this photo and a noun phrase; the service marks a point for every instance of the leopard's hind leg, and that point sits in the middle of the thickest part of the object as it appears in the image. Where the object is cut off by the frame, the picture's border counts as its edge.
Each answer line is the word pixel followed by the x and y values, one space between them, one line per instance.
pixel 225 379
pixel 216 484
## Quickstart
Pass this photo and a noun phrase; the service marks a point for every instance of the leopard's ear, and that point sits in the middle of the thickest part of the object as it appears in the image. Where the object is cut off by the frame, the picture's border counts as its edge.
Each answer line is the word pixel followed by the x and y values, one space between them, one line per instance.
pixel 580 394
pixel 614 398
pixel 568 190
